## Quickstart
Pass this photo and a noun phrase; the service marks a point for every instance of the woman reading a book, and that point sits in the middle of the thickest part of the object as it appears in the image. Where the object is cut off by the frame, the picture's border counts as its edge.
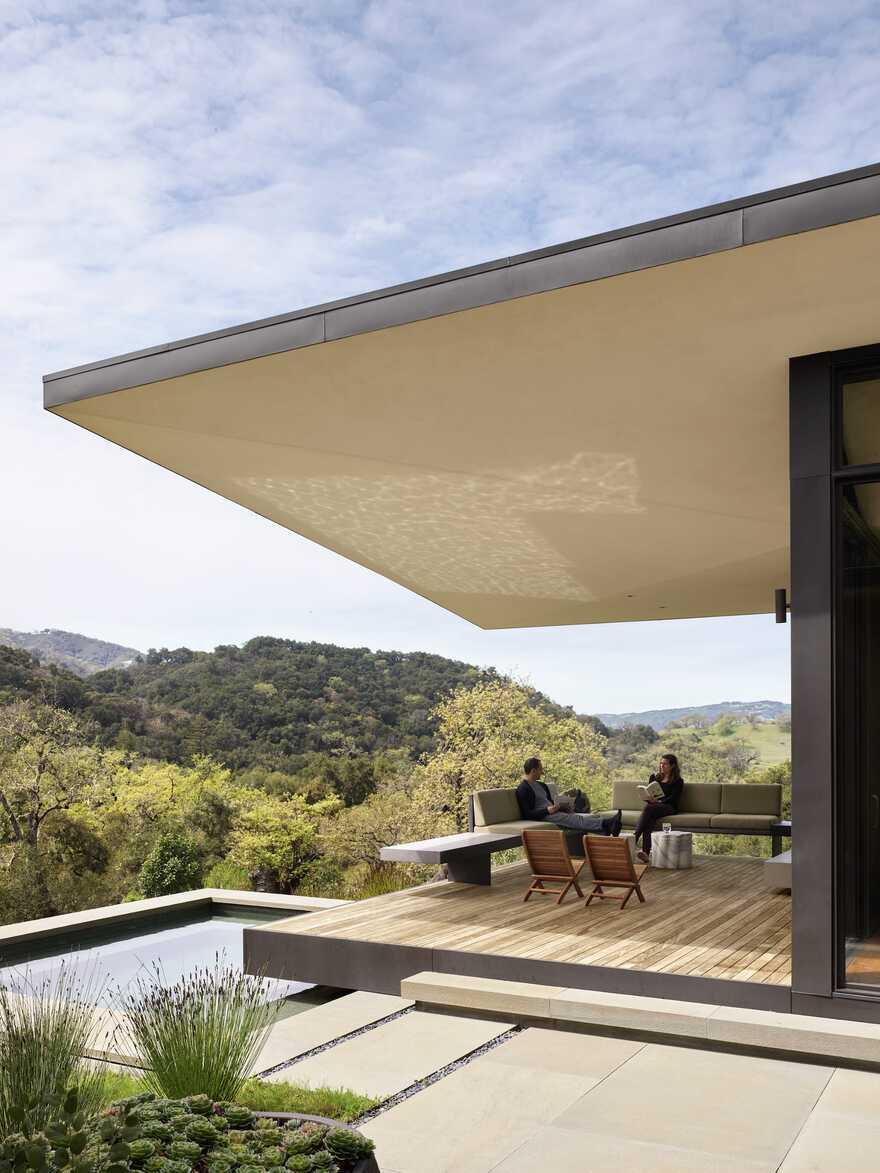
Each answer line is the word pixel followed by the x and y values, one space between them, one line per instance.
pixel 662 796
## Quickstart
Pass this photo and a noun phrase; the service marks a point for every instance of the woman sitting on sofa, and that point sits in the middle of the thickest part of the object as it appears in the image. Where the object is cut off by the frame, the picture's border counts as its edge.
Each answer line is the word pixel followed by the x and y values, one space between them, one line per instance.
pixel 671 783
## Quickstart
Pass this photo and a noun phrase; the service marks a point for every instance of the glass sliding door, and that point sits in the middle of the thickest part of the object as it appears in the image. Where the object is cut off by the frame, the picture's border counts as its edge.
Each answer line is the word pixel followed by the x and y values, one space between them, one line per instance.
pixel 857 631
pixel 857 677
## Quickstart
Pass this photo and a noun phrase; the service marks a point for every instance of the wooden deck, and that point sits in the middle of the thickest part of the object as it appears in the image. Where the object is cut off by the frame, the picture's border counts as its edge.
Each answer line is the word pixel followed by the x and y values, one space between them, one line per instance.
pixel 714 921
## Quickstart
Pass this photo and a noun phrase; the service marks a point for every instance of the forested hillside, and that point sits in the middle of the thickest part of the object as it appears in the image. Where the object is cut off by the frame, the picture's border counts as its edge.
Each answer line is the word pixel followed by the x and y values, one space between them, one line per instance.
pixel 287 766
pixel 265 704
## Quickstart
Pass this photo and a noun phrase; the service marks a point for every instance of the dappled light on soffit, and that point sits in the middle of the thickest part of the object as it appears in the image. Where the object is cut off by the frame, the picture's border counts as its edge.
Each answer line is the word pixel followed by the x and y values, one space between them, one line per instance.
pixel 609 451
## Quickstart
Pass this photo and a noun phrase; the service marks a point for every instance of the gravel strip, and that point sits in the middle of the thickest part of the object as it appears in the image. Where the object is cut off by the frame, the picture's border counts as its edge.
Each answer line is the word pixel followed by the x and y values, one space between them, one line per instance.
pixel 352 1034
pixel 436 1076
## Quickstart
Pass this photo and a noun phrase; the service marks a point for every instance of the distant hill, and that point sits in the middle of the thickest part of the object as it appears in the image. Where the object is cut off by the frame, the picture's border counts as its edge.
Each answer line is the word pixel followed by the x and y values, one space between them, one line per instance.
pixel 660 718
pixel 80 654
pixel 265 704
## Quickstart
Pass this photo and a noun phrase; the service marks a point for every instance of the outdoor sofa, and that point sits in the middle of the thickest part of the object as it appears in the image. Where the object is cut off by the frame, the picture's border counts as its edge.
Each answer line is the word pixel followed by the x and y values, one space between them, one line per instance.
pixel 497 811
pixel 721 808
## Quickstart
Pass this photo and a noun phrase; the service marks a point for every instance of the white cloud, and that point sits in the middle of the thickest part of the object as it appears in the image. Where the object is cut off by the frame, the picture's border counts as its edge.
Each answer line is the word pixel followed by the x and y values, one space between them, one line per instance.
pixel 173 167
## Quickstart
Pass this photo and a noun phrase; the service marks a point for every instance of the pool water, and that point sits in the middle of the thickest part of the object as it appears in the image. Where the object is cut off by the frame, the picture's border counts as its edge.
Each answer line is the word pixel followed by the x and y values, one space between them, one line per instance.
pixel 113 966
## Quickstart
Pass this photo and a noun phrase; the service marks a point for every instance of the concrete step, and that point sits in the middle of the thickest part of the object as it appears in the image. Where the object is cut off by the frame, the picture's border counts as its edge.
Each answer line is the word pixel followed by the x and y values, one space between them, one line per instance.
pixel 799 1034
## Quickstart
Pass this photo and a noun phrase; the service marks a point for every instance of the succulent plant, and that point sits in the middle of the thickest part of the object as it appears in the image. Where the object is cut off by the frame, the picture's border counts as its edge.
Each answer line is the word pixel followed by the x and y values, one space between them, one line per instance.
pixel 272 1155
pixel 308 1138
pixel 200 1105
pixel 324 1161
pixel 140 1150
pixel 202 1131
pixel 185 1150
pixel 154 1129
pixel 250 1169
pixel 174 1166
pixel 347 1145
pixel 170 1108
pixel 267 1132
pixel 300 1163
pixel 239 1117
pixel 220 1161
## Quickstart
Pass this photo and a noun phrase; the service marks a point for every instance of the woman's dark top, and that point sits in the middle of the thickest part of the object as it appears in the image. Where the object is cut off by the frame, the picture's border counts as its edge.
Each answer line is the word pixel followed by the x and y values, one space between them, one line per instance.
pixel 671 791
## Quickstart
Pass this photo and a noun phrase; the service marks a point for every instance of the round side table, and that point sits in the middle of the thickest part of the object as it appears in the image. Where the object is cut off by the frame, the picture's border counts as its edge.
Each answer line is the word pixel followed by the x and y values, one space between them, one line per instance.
pixel 672 849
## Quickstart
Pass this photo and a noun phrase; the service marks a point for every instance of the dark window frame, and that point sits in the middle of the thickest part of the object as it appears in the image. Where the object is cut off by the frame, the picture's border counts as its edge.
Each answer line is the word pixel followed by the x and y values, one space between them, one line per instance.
pixel 817 476
pixel 846 368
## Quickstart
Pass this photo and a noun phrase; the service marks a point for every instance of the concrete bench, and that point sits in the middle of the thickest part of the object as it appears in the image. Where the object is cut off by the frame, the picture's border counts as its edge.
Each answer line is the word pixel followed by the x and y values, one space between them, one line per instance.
pixel 468 857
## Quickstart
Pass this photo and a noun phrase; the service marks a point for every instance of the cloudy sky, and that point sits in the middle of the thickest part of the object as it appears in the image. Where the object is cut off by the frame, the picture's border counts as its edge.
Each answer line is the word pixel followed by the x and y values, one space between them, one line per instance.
pixel 174 167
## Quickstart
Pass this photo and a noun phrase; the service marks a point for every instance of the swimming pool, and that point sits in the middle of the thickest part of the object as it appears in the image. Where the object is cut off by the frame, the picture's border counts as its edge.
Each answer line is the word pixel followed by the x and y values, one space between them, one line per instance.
pixel 110 958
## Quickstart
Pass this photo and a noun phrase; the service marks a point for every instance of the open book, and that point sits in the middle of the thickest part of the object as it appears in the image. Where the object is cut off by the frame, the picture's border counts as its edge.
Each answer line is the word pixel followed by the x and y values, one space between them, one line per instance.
pixel 652 790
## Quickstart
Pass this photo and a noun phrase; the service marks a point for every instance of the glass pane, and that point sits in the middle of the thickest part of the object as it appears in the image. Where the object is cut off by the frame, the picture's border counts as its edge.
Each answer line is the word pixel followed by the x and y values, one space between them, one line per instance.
pixel 861 421
pixel 858 708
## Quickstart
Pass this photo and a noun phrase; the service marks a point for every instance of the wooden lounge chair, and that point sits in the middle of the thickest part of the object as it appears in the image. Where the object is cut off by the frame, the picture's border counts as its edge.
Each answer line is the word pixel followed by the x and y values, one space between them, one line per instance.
pixel 612 866
pixel 547 853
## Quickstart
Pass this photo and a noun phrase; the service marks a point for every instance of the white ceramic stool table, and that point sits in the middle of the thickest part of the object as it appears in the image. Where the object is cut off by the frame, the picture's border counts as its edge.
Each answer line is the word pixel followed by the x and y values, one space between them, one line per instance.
pixel 672 849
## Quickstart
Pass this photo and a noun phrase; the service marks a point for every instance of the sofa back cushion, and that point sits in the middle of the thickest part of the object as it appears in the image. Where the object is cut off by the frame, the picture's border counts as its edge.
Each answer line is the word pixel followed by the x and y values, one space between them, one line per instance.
pixel 495 806
pixel 700 798
pixel 626 797
pixel 751 798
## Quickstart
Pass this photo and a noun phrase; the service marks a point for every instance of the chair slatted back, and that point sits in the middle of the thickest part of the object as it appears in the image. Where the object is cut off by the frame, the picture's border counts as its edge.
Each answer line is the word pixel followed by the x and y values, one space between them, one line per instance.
pixel 547 853
pixel 610 859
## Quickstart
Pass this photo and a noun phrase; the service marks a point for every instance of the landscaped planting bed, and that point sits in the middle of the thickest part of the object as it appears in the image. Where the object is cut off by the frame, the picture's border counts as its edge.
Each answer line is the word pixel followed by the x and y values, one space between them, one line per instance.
pixel 149 1134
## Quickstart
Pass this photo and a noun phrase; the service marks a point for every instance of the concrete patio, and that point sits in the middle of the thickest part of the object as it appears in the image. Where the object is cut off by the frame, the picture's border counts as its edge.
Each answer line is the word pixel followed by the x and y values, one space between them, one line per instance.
pixel 550 1100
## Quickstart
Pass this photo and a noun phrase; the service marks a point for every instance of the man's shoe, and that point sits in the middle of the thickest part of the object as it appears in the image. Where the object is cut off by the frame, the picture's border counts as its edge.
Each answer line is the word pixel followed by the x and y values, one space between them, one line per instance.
pixel 617 823
pixel 644 857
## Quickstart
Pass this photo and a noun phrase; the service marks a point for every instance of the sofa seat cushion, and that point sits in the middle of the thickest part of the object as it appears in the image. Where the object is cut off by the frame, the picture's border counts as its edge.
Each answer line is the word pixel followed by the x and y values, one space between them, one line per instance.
pixel 690 821
pixel 630 817
pixel 743 822
pixel 751 798
pixel 514 826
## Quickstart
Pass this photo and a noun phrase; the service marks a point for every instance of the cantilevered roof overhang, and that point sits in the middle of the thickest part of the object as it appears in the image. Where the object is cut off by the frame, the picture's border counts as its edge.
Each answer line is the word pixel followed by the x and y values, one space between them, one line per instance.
pixel 590 433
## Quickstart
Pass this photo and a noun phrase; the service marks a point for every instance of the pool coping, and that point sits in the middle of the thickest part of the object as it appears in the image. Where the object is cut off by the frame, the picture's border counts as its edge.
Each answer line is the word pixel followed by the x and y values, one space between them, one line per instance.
pixel 134 910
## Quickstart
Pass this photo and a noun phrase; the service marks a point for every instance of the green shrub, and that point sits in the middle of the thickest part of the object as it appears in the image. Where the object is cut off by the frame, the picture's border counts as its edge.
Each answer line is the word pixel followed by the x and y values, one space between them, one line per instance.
pixel 200 1034
pixel 45 1028
pixel 172 866
pixel 227 874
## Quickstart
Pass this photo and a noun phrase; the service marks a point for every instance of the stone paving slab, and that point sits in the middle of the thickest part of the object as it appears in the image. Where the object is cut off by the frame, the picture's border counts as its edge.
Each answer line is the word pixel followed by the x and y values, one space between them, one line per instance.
pixel 562 1148
pixel 843 1131
pixel 321 1024
pixel 394 1055
pixel 741 1107
pixel 472 1119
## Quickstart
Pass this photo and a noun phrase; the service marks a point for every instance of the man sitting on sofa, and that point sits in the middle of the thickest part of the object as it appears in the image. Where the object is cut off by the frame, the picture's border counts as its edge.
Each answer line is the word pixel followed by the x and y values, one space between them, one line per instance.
pixel 536 802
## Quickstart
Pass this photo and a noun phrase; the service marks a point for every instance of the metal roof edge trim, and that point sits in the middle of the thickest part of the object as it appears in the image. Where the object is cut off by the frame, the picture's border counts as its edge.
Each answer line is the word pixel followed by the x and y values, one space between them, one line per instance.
pixel 762 216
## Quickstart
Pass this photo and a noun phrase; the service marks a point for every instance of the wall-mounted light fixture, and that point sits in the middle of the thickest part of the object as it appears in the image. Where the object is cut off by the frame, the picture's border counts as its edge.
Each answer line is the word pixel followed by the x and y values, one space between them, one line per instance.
pixel 782 605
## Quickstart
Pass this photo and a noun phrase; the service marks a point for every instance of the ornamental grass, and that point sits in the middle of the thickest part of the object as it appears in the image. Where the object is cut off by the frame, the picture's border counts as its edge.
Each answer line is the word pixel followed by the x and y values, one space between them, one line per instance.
pixel 200 1034
pixel 46 1027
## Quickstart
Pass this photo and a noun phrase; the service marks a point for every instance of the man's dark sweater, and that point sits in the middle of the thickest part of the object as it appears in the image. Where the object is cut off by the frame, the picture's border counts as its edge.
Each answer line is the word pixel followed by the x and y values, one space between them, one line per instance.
pixel 528 803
